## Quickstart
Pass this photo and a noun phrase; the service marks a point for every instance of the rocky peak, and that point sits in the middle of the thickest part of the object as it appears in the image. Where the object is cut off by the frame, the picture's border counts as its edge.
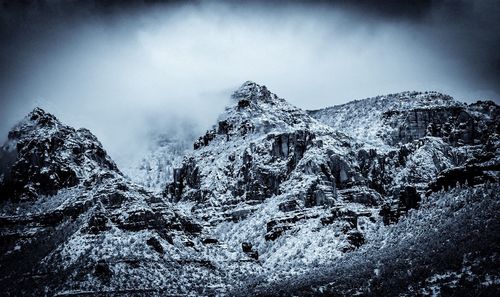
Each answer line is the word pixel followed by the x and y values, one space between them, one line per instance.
pixel 253 91
pixel 261 148
pixel 42 117
pixel 257 111
pixel 42 156
pixel 35 122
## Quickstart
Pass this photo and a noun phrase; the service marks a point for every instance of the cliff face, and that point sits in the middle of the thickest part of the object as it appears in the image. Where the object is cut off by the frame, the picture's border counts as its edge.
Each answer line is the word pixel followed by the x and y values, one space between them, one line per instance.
pixel 267 195
pixel 456 125
pixel 418 136
pixel 404 117
pixel 260 144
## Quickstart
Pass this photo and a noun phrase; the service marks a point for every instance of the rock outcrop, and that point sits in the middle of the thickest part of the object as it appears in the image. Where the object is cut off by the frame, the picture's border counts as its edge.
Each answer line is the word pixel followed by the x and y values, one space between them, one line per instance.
pixel 404 117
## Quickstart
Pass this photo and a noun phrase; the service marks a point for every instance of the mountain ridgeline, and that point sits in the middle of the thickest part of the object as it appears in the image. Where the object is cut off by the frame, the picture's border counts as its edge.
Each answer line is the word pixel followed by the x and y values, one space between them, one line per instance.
pixel 391 195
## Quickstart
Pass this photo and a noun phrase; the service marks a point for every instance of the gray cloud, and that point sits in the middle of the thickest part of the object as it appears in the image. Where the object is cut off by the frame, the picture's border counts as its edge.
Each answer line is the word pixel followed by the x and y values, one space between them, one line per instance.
pixel 126 72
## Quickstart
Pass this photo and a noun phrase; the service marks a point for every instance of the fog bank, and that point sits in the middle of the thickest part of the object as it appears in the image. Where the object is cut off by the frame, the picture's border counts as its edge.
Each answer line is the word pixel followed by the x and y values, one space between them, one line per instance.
pixel 129 72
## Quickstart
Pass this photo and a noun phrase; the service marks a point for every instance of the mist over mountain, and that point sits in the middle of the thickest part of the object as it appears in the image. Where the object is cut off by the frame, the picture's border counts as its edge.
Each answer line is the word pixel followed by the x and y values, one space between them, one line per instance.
pixel 128 70
pixel 272 201
pixel 138 159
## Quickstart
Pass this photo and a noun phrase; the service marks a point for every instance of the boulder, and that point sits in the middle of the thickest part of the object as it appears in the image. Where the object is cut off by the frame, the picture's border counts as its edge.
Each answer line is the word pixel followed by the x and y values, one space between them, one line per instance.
pixel 248 249
pixel 156 245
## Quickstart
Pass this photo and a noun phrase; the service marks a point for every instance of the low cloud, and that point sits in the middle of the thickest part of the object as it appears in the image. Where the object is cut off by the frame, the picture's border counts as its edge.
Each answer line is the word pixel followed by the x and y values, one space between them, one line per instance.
pixel 129 73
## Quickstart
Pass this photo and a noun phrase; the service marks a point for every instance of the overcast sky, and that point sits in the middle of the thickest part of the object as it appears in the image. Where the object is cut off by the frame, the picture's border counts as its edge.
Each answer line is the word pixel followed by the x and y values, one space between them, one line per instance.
pixel 125 71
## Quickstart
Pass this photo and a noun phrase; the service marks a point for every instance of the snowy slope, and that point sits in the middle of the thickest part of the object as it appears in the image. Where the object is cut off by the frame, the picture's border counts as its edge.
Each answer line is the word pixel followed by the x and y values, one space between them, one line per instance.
pixel 364 119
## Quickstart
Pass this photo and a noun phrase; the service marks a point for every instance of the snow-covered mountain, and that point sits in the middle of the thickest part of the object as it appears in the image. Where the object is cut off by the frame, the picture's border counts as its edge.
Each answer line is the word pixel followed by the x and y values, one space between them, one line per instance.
pixel 80 226
pixel 363 198
pixel 404 117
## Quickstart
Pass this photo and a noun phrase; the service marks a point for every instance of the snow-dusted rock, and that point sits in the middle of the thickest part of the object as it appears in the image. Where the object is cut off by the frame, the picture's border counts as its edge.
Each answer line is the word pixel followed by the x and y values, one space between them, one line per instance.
pixel 404 117
pixel 43 156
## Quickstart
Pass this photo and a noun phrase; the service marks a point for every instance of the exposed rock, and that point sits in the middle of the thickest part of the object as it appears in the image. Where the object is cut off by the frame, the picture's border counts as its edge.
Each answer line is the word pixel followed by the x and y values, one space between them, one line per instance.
pixel 243 103
pixel 408 198
pixel 481 167
pixel 43 156
pixel 405 117
pixel 462 175
pixel 205 139
pixel 248 249
pixel 224 127
pixel 256 180
pixel 362 195
pixel 356 238
pixel 252 91
pixel 102 271
pixel 155 244
pixel 341 214
pixel 209 241
pixel 185 178
pixel 288 206
pixel 276 227
pixel 97 223
pixel 435 121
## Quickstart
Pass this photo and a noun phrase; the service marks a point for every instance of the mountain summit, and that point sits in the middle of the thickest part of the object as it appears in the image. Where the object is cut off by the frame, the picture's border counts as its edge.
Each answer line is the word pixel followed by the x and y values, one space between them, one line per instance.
pixel 252 91
pixel 42 156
